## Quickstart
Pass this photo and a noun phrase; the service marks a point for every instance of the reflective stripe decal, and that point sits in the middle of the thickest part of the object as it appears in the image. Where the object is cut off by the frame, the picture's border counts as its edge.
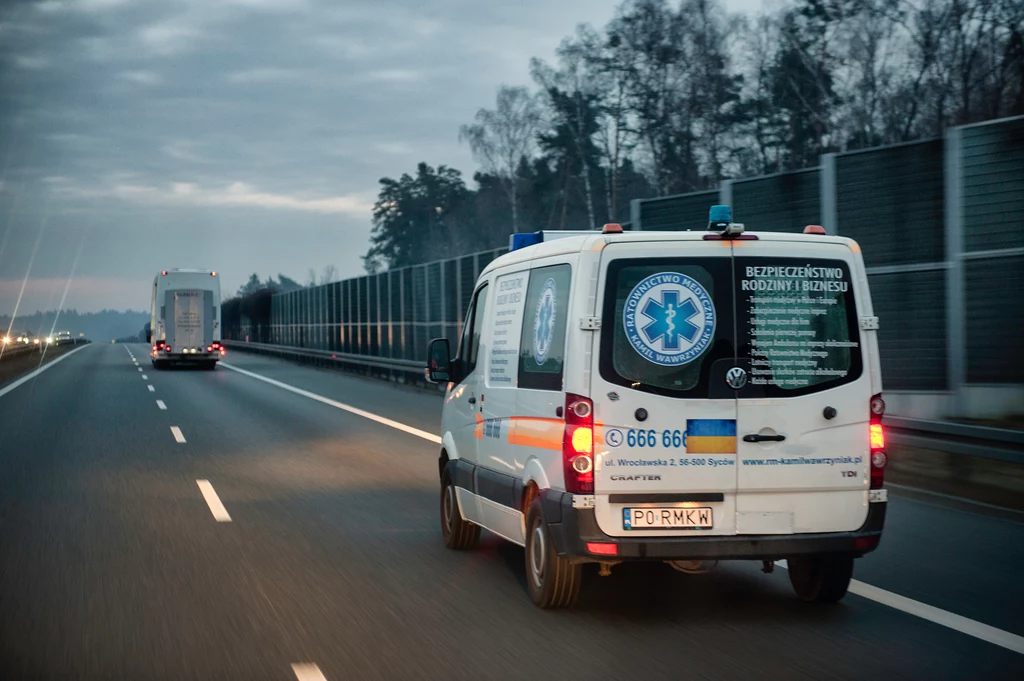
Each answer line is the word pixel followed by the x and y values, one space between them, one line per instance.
pixel 542 433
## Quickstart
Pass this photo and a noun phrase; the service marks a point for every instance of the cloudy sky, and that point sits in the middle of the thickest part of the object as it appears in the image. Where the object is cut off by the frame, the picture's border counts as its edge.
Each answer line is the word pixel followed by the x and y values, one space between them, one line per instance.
pixel 236 135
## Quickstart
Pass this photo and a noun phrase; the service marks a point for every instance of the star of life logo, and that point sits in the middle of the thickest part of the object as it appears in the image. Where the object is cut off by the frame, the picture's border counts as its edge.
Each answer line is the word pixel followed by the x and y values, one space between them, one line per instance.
pixel 669 319
pixel 544 323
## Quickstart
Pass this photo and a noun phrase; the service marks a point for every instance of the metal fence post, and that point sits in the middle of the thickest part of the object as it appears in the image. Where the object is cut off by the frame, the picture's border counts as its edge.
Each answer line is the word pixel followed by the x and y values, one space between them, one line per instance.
pixel 634 215
pixel 725 193
pixel 956 303
pixel 829 195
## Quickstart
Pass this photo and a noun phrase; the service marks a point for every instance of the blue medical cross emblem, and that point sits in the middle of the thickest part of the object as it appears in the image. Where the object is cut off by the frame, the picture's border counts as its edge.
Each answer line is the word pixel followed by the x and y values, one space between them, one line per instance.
pixel 671 320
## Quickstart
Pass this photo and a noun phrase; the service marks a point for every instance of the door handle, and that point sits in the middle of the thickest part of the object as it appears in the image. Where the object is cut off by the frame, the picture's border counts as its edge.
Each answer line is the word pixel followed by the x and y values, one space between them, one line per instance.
pixel 763 438
pixel 472 400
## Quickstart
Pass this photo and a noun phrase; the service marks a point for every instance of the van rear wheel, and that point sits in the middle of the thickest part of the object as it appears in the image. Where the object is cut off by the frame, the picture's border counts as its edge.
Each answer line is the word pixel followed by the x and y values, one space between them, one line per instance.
pixel 821 579
pixel 459 534
pixel 552 580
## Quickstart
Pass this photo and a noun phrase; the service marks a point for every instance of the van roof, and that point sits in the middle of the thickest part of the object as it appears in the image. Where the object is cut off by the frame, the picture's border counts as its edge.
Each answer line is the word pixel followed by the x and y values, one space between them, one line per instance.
pixel 596 241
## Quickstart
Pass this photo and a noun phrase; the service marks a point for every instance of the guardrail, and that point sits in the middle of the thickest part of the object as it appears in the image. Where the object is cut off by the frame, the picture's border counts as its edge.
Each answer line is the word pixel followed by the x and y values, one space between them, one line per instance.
pixel 401 370
pixel 945 436
pixel 957 438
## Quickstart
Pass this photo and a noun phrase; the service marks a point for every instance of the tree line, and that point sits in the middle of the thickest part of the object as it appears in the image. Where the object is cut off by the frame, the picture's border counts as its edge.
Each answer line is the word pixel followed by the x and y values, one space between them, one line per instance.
pixel 673 96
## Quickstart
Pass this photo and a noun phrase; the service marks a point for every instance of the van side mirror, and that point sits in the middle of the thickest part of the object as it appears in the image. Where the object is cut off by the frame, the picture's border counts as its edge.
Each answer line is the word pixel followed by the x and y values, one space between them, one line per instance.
pixel 439 361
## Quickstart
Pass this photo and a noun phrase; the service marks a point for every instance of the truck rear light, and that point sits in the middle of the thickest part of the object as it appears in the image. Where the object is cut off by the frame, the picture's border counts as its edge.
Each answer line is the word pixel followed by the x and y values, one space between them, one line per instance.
pixel 167 348
pixel 876 440
pixel 578 445
pixel 865 543
pixel 602 549
pixel 209 348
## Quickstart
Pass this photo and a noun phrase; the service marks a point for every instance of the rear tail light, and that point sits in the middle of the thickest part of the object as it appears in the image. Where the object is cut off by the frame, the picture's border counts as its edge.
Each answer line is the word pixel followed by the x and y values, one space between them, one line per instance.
pixel 578 445
pixel 877 442
pixel 209 348
pixel 167 348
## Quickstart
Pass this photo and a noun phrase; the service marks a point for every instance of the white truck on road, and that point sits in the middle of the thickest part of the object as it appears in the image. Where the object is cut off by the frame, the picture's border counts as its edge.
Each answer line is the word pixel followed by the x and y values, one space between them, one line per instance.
pixel 185 318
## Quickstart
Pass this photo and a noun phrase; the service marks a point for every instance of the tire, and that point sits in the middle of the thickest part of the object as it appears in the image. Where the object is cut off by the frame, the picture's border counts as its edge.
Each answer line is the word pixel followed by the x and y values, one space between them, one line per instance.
pixel 821 579
pixel 459 534
pixel 552 580
pixel 160 364
pixel 210 366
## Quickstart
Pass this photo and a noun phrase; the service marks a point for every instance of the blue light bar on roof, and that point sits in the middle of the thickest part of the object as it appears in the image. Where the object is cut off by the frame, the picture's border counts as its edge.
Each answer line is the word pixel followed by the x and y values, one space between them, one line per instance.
pixel 524 239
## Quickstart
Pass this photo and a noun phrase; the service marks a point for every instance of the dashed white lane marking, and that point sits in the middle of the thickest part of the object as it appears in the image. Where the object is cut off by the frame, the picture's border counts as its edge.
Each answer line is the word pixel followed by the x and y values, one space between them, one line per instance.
pixel 145 377
pixel 160 403
pixel 151 388
pixel 948 619
pixel 29 376
pixel 178 437
pixel 140 368
pixel 431 437
pixel 307 671
pixel 220 514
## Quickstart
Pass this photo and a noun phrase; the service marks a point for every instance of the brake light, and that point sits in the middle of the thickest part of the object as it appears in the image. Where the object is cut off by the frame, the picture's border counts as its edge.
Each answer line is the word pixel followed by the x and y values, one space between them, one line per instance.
pixel 209 348
pixel 167 348
pixel 876 438
pixel 578 445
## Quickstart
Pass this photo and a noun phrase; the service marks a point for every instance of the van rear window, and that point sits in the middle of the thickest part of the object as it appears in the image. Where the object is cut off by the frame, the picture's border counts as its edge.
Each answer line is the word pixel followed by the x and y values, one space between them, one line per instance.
pixel 667 322
pixel 797 324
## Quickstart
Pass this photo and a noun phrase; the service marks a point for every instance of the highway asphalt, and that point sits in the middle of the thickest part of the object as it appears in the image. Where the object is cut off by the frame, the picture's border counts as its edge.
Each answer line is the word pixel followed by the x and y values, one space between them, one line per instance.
pixel 117 563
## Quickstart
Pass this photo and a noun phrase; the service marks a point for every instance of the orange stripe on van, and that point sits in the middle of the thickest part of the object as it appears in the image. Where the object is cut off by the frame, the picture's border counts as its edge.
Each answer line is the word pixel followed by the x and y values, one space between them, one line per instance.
pixel 532 431
pixel 478 432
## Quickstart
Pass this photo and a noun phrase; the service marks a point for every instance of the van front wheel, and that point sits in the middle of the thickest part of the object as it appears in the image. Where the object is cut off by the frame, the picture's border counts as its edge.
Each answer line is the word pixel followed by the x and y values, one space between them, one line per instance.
pixel 553 581
pixel 821 579
pixel 459 534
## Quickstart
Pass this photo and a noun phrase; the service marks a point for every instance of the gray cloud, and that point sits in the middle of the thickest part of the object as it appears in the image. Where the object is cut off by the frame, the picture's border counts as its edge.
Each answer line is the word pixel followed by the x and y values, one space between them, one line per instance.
pixel 239 135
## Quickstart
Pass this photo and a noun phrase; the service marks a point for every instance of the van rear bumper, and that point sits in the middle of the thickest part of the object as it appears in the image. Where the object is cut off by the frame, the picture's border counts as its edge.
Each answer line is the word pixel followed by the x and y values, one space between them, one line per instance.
pixel 571 528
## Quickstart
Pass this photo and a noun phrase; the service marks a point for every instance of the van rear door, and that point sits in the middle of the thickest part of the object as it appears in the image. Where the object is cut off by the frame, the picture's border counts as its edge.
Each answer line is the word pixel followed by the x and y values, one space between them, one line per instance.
pixel 665 417
pixel 192 312
pixel 803 414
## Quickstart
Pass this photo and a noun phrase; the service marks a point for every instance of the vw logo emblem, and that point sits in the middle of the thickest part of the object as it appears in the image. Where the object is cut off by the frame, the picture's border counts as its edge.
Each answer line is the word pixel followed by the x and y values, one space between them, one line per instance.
pixel 736 378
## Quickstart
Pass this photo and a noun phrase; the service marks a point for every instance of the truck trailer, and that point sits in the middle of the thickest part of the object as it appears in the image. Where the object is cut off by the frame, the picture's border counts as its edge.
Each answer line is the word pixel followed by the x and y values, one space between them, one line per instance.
pixel 185 318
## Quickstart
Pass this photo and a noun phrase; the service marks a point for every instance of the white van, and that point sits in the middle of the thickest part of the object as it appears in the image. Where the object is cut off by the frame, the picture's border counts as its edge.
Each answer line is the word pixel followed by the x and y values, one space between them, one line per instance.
pixel 185 318
pixel 686 397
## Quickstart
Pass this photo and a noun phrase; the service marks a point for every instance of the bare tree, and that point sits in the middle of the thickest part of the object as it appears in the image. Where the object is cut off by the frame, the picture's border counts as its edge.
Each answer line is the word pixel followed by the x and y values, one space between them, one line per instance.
pixel 501 137
pixel 311 277
pixel 329 275
pixel 576 81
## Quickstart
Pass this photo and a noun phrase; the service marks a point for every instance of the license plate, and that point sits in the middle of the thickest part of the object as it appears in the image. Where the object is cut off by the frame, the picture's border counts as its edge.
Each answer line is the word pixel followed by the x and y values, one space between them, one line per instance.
pixel 667 518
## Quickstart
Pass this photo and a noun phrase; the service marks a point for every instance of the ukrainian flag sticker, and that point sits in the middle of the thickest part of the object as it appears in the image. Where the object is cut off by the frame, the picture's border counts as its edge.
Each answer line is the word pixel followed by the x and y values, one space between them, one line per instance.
pixel 711 436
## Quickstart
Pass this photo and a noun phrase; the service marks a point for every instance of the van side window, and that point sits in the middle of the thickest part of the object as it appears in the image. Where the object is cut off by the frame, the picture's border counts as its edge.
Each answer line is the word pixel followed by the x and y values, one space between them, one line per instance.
pixel 542 343
pixel 469 348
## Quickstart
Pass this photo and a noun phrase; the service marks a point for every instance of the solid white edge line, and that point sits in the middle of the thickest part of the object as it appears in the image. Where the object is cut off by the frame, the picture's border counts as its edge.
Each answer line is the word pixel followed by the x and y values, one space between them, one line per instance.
pixel 29 376
pixel 160 403
pixel 954 498
pixel 178 437
pixel 341 405
pixel 151 388
pixel 220 514
pixel 307 671
pixel 964 625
